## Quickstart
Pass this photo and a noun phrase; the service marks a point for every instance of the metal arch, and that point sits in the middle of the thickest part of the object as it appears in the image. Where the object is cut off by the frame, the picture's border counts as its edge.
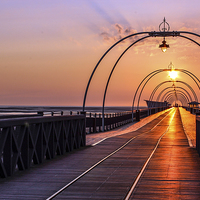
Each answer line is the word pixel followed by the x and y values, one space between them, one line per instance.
pixel 105 92
pixel 172 87
pixel 88 84
pixel 152 94
pixel 183 98
pixel 156 72
pixel 140 83
pixel 171 92
pixel 192 76
pixel 188 32
pixel 189 39
pixel 178 91
pixel 143 89
pixel 151 97
pixel 172 96
pixel 152 34
pixel 183 101
pixel 155 89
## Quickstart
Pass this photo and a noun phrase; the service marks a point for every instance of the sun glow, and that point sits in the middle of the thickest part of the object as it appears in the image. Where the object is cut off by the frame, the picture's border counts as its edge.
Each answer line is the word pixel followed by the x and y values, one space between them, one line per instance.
pixel 173 74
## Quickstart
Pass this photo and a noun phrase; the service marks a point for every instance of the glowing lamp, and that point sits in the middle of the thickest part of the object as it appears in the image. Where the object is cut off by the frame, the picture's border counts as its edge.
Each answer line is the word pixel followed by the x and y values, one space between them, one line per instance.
pixel 173 74
pixel 164 46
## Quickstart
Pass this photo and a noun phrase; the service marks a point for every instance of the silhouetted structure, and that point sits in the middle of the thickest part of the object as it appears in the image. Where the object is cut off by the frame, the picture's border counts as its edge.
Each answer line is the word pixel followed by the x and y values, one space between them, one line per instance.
pixel 154 104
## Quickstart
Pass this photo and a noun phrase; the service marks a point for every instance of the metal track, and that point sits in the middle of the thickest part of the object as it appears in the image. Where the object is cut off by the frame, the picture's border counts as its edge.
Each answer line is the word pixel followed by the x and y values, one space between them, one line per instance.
pixel 108 156
pixel 146 163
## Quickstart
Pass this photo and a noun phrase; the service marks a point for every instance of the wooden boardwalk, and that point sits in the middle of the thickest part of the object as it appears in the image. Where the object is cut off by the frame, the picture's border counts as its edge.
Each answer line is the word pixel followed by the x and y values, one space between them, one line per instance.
pixel 173 171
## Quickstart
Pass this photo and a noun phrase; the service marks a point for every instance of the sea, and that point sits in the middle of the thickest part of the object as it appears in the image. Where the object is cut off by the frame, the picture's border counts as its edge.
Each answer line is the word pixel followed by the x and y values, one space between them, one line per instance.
pixel 47 110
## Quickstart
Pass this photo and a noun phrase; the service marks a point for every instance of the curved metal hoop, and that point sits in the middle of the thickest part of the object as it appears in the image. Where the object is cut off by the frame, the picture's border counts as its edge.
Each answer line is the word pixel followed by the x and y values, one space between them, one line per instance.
pixel 177 91
pixel 181 96
pixel 152 34
pixel 154 73
pixel 92 74
pixel 105 92
pixel 158 98
pixel 155 89
pixel 170 96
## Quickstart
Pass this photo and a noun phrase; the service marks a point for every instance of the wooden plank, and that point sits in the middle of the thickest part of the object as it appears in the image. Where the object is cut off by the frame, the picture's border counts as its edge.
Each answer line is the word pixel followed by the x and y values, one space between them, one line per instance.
pixel 173 172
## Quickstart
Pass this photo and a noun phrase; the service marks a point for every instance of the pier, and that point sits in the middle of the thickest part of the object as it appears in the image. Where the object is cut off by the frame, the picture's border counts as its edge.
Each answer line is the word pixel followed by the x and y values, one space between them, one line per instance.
pixel 99 100
pixel 150 159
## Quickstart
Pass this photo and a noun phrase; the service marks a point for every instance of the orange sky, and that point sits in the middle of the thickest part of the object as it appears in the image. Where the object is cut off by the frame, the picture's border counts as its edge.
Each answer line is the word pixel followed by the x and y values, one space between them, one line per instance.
pixel 49 49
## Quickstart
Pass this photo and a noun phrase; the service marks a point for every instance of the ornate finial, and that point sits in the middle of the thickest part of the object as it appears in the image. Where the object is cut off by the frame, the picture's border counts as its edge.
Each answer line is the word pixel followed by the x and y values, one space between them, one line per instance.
pixel 171 66
pixel 165 26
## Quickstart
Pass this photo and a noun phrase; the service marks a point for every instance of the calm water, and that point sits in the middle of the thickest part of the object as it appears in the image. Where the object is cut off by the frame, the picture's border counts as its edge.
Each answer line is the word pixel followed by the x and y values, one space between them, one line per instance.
pixel 13 110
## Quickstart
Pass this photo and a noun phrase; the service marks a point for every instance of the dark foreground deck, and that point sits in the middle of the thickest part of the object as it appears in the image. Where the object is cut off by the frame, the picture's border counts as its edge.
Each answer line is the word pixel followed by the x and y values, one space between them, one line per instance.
pixel 173 171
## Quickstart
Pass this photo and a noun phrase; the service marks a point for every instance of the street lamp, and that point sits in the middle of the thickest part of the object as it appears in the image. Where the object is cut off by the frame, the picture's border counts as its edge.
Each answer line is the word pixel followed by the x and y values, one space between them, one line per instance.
pixel 172 73
pixel 166 27
pixel 164 46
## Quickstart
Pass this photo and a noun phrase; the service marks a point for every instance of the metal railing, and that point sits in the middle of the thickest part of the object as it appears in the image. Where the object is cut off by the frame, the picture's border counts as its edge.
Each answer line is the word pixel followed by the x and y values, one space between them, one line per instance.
pixel 115 120
pixel 26 141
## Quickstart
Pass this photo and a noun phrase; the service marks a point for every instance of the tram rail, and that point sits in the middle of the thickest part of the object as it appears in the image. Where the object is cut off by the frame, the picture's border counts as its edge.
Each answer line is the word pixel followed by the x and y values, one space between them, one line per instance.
pixel 132 187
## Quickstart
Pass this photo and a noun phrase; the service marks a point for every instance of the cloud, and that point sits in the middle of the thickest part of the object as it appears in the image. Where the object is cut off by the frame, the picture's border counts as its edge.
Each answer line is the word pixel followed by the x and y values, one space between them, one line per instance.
pixel 117 32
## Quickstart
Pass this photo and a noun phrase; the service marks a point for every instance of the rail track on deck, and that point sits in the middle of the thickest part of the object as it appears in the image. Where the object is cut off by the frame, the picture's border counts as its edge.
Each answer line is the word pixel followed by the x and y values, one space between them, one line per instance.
pixel 170 114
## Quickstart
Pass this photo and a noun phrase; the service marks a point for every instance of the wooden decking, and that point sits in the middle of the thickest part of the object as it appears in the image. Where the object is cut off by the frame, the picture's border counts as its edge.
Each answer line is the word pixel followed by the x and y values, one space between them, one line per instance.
pixel 172 173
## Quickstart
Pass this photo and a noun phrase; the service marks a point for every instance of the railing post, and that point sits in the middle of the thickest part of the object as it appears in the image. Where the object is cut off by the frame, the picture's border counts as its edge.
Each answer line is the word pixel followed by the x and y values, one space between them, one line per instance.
pixel 198 134
pixel 137 115
pixel 100 123
pixel 7 153
pixel 110 121
pixel 95 123
pixel 90 124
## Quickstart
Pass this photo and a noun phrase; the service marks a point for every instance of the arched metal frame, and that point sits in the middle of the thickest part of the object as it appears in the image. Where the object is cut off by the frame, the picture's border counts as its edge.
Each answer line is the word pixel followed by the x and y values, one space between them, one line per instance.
pixel 172 96
pixel 156 72
pixel 188 97
pixel 150 34
pixel 177 92
pixel 105 92
pixel 153 74
pixel 181 99
pixel 156 88
pixel 158 97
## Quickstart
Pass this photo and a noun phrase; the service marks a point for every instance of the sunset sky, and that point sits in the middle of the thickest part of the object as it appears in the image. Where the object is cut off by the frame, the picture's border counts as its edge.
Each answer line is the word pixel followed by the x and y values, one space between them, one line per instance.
pixel 49 48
